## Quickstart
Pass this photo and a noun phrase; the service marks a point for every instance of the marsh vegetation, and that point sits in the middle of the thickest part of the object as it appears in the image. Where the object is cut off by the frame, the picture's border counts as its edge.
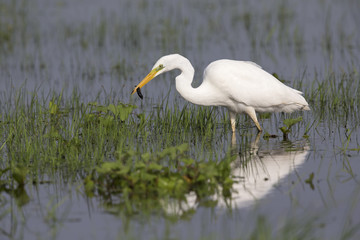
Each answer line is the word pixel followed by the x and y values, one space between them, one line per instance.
pixel 80 158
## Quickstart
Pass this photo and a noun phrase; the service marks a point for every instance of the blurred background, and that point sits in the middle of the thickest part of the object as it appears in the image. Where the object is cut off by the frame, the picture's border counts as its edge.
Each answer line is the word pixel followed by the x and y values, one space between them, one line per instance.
pixel 98 47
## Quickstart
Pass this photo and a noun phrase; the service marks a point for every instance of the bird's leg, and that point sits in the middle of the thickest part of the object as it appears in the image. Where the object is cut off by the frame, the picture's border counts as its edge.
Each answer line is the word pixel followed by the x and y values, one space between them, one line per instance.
pixel 252 115
pixel 232 120
pixel 258 126
pixel 233 140
pixel 255 145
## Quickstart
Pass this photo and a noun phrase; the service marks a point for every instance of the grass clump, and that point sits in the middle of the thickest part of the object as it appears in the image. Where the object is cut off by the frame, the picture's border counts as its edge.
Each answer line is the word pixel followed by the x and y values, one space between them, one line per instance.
pixel 166 174
pixel 61 137
pixel 336 98
pixel 118 153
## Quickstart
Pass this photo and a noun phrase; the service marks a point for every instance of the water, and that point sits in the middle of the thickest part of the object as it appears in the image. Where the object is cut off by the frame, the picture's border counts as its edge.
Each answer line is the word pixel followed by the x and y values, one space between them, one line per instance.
pixel 103 48
pixel 110 45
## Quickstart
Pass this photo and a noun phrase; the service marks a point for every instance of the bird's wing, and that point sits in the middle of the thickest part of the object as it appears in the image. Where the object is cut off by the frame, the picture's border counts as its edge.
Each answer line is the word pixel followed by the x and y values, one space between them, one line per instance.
pixel 249 84
pixel 252 63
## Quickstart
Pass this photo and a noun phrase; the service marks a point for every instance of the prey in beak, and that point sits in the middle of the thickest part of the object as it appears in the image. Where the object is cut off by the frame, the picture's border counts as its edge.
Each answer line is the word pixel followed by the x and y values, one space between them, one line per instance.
pixel 147 79
pixel 139 93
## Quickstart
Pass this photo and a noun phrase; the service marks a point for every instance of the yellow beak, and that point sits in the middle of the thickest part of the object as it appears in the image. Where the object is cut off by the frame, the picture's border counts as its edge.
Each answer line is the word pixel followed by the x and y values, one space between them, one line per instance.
pixel 148 78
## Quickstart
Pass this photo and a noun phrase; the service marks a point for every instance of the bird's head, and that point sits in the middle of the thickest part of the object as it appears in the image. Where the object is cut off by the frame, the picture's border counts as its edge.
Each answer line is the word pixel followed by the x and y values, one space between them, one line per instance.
pixel 158 69
pixel 164 64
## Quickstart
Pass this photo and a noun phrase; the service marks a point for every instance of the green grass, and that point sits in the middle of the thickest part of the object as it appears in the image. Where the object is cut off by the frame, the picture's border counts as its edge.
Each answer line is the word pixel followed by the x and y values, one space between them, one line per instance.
pixel 52 134
pixel 336 97
pixel 64 135
pixel 61 138
pixel 170 173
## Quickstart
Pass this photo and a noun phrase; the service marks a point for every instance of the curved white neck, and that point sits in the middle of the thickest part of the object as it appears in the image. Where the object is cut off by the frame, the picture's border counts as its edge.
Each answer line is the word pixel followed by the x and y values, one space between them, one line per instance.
pixel 200 95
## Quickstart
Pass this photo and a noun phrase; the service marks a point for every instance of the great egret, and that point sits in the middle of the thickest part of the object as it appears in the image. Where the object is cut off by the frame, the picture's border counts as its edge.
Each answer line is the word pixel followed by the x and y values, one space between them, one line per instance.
pixel 240 86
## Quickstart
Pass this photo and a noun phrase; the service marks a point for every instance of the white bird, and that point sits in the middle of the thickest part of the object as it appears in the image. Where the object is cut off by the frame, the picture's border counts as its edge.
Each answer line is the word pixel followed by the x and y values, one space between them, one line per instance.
pixel 240 86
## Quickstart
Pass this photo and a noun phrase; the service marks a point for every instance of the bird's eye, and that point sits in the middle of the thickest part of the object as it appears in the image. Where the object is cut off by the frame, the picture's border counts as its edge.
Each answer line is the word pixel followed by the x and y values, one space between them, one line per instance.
pixel 161 66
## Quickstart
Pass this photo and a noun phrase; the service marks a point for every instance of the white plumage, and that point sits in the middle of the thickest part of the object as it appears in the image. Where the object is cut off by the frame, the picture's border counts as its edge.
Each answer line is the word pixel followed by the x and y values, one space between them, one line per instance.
pixel 240 86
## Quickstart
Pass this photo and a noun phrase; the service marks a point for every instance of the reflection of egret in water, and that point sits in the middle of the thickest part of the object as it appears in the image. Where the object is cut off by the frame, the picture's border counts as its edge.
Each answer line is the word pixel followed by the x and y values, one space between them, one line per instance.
pixel 255 171
pixel 261 167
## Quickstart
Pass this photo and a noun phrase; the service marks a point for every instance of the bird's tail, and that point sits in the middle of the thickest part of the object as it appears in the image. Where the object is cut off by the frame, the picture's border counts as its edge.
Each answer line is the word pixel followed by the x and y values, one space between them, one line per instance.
pixel 306 108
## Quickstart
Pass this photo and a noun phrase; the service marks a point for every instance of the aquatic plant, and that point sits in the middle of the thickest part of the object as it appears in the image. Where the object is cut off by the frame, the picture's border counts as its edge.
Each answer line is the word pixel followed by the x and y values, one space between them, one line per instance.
pixel 288 124
pixel 166 174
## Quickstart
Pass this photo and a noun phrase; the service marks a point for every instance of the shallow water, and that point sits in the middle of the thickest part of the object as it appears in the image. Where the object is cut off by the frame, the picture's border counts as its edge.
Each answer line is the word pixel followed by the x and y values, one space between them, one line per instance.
pixel 103 48
pixel 272 183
